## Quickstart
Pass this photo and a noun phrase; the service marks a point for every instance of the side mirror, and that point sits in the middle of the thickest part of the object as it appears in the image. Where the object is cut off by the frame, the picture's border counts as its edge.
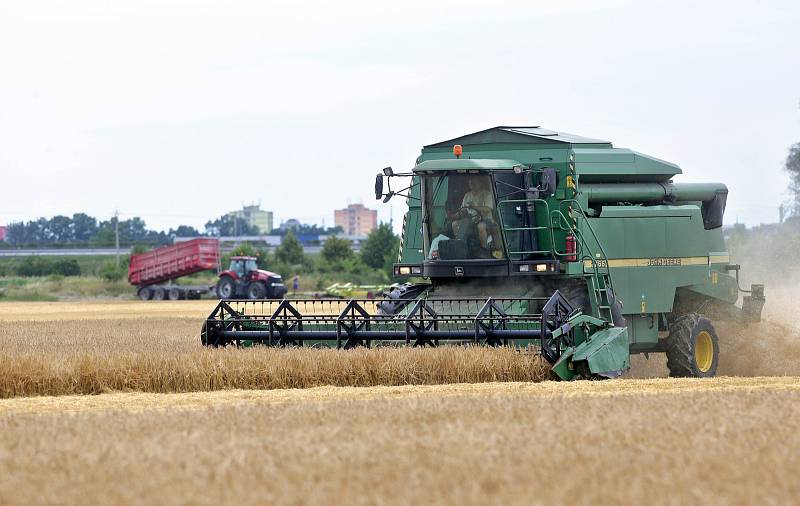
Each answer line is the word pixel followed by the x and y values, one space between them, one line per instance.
pixel 378 186
pixel 388 172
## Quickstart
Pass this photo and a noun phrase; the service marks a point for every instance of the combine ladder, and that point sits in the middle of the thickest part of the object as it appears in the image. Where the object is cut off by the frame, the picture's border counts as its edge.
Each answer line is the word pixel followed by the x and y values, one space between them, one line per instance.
pixel 598 280
pixel 599 286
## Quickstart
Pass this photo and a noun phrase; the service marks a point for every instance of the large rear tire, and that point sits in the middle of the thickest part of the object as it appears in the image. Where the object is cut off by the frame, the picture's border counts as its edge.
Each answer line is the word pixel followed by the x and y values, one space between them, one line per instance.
pixel 692 347
pixel 226 288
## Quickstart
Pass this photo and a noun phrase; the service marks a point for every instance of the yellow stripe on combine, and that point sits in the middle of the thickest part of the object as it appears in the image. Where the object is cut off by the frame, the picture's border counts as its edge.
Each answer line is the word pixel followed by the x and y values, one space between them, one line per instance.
pixel 660 261
pixel 719 259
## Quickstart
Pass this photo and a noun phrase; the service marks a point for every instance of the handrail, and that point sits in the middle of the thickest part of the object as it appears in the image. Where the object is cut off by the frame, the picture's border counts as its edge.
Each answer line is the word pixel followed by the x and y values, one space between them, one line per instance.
pixel 599 246
pixel 564 224
pixel 551 251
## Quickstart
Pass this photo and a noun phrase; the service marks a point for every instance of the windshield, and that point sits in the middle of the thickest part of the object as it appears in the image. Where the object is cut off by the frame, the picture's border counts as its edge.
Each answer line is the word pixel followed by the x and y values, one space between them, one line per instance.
pixel 460 221
pixel 250 265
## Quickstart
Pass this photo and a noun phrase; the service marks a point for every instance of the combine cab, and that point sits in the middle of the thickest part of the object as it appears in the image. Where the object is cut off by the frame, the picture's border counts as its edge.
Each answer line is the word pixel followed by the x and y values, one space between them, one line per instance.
pixel 531 238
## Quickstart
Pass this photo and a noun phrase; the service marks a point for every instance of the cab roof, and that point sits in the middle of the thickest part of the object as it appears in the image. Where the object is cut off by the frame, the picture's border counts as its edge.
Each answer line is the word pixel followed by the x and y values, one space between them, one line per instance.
pixel 466 164
pixel 519 135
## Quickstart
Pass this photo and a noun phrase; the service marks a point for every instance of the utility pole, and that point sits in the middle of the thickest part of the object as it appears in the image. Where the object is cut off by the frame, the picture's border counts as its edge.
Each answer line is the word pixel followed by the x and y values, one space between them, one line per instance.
pixel 116 234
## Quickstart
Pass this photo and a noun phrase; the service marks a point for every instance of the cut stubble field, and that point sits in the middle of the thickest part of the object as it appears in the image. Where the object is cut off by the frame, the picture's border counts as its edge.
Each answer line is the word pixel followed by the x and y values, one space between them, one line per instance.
pixel 629 441
pixel 447 432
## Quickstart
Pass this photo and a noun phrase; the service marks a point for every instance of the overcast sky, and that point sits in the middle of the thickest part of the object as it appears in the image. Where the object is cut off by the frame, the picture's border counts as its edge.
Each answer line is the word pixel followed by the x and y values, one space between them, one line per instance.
pixel 181 111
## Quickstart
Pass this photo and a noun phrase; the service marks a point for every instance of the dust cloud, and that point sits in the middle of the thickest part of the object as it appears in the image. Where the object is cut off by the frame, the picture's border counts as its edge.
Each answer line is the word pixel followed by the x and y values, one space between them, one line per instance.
pixel 768 348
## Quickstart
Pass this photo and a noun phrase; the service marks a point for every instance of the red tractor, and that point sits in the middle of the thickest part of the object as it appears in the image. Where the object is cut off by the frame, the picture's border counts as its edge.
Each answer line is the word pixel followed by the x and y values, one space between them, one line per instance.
pixel 244 280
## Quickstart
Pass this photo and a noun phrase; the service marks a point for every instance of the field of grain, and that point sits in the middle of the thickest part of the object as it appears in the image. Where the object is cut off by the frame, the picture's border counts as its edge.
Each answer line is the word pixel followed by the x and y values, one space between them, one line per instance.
pixel 95 347
pixel 727 440
pixel 90 347
pixel 446 432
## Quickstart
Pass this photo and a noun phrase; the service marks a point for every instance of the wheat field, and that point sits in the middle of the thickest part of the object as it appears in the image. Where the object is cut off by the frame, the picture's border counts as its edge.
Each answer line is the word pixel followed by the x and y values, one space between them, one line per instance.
pixel 92 347
pixel 158 354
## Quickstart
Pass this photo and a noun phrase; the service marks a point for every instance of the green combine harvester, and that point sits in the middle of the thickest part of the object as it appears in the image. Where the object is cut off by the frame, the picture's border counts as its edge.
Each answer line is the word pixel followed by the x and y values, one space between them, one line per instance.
pixel 541 240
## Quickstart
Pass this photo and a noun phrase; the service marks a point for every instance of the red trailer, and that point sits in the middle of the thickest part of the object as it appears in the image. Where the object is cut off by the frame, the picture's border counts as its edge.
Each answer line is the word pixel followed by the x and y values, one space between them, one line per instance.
pixel 150 271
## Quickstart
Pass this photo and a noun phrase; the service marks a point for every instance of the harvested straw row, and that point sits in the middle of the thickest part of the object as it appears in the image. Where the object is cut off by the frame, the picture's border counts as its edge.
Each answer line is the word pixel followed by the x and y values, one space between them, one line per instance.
pixel 65 358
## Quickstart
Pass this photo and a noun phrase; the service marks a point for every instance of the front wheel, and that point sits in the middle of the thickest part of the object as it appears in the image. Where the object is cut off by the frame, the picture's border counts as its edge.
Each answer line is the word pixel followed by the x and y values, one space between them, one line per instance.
pixel 225 288
pixel 692 347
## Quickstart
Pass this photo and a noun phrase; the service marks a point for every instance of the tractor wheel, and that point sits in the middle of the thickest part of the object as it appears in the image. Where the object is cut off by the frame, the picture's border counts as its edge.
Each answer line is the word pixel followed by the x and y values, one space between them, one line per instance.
pixel 174 294
pixel 145 293
pixel 692 347
pixel 226 288
pixel 257 291
pixel 158 293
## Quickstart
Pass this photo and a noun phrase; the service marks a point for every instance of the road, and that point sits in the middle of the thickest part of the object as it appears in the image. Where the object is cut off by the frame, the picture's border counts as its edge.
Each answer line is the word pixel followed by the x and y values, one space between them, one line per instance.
pixel 93 251
pixel 62 252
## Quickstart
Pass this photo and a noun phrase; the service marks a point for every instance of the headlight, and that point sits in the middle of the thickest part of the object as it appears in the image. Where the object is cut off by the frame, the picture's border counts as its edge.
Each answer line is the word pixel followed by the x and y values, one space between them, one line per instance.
pixel 405 271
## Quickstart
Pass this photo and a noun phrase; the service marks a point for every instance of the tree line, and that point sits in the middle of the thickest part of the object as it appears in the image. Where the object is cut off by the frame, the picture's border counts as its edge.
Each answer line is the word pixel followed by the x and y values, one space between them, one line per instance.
pixel 336 262
pixel 83 230
pixel 792 168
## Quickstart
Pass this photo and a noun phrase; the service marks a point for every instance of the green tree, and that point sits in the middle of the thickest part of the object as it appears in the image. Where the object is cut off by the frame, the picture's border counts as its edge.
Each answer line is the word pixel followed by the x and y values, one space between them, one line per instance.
pixel 184 231
pixel 336 249
pixel 84 227
pixel 247 250
pixel 60 229
pixel 230 224
pixel 380 248
pixel 793 168
pixel 289 251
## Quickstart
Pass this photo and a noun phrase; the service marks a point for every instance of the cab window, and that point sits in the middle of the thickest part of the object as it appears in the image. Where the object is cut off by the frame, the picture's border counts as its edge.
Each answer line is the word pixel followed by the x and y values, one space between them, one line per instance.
pixel 460 218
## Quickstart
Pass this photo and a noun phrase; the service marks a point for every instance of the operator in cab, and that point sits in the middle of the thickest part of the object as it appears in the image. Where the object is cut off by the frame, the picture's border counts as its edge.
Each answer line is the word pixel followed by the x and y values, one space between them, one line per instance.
pixel 477 206
pixel 466 226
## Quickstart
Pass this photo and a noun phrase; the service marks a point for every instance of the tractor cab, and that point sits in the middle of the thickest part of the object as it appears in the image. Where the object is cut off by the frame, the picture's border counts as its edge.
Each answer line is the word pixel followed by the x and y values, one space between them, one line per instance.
pixel 243 265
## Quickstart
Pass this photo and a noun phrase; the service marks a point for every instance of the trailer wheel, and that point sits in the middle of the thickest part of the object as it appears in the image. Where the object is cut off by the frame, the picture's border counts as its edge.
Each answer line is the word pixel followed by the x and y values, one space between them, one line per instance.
pixel 158 293
pixel 145 293
pixel 175 294
pixel 692 347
